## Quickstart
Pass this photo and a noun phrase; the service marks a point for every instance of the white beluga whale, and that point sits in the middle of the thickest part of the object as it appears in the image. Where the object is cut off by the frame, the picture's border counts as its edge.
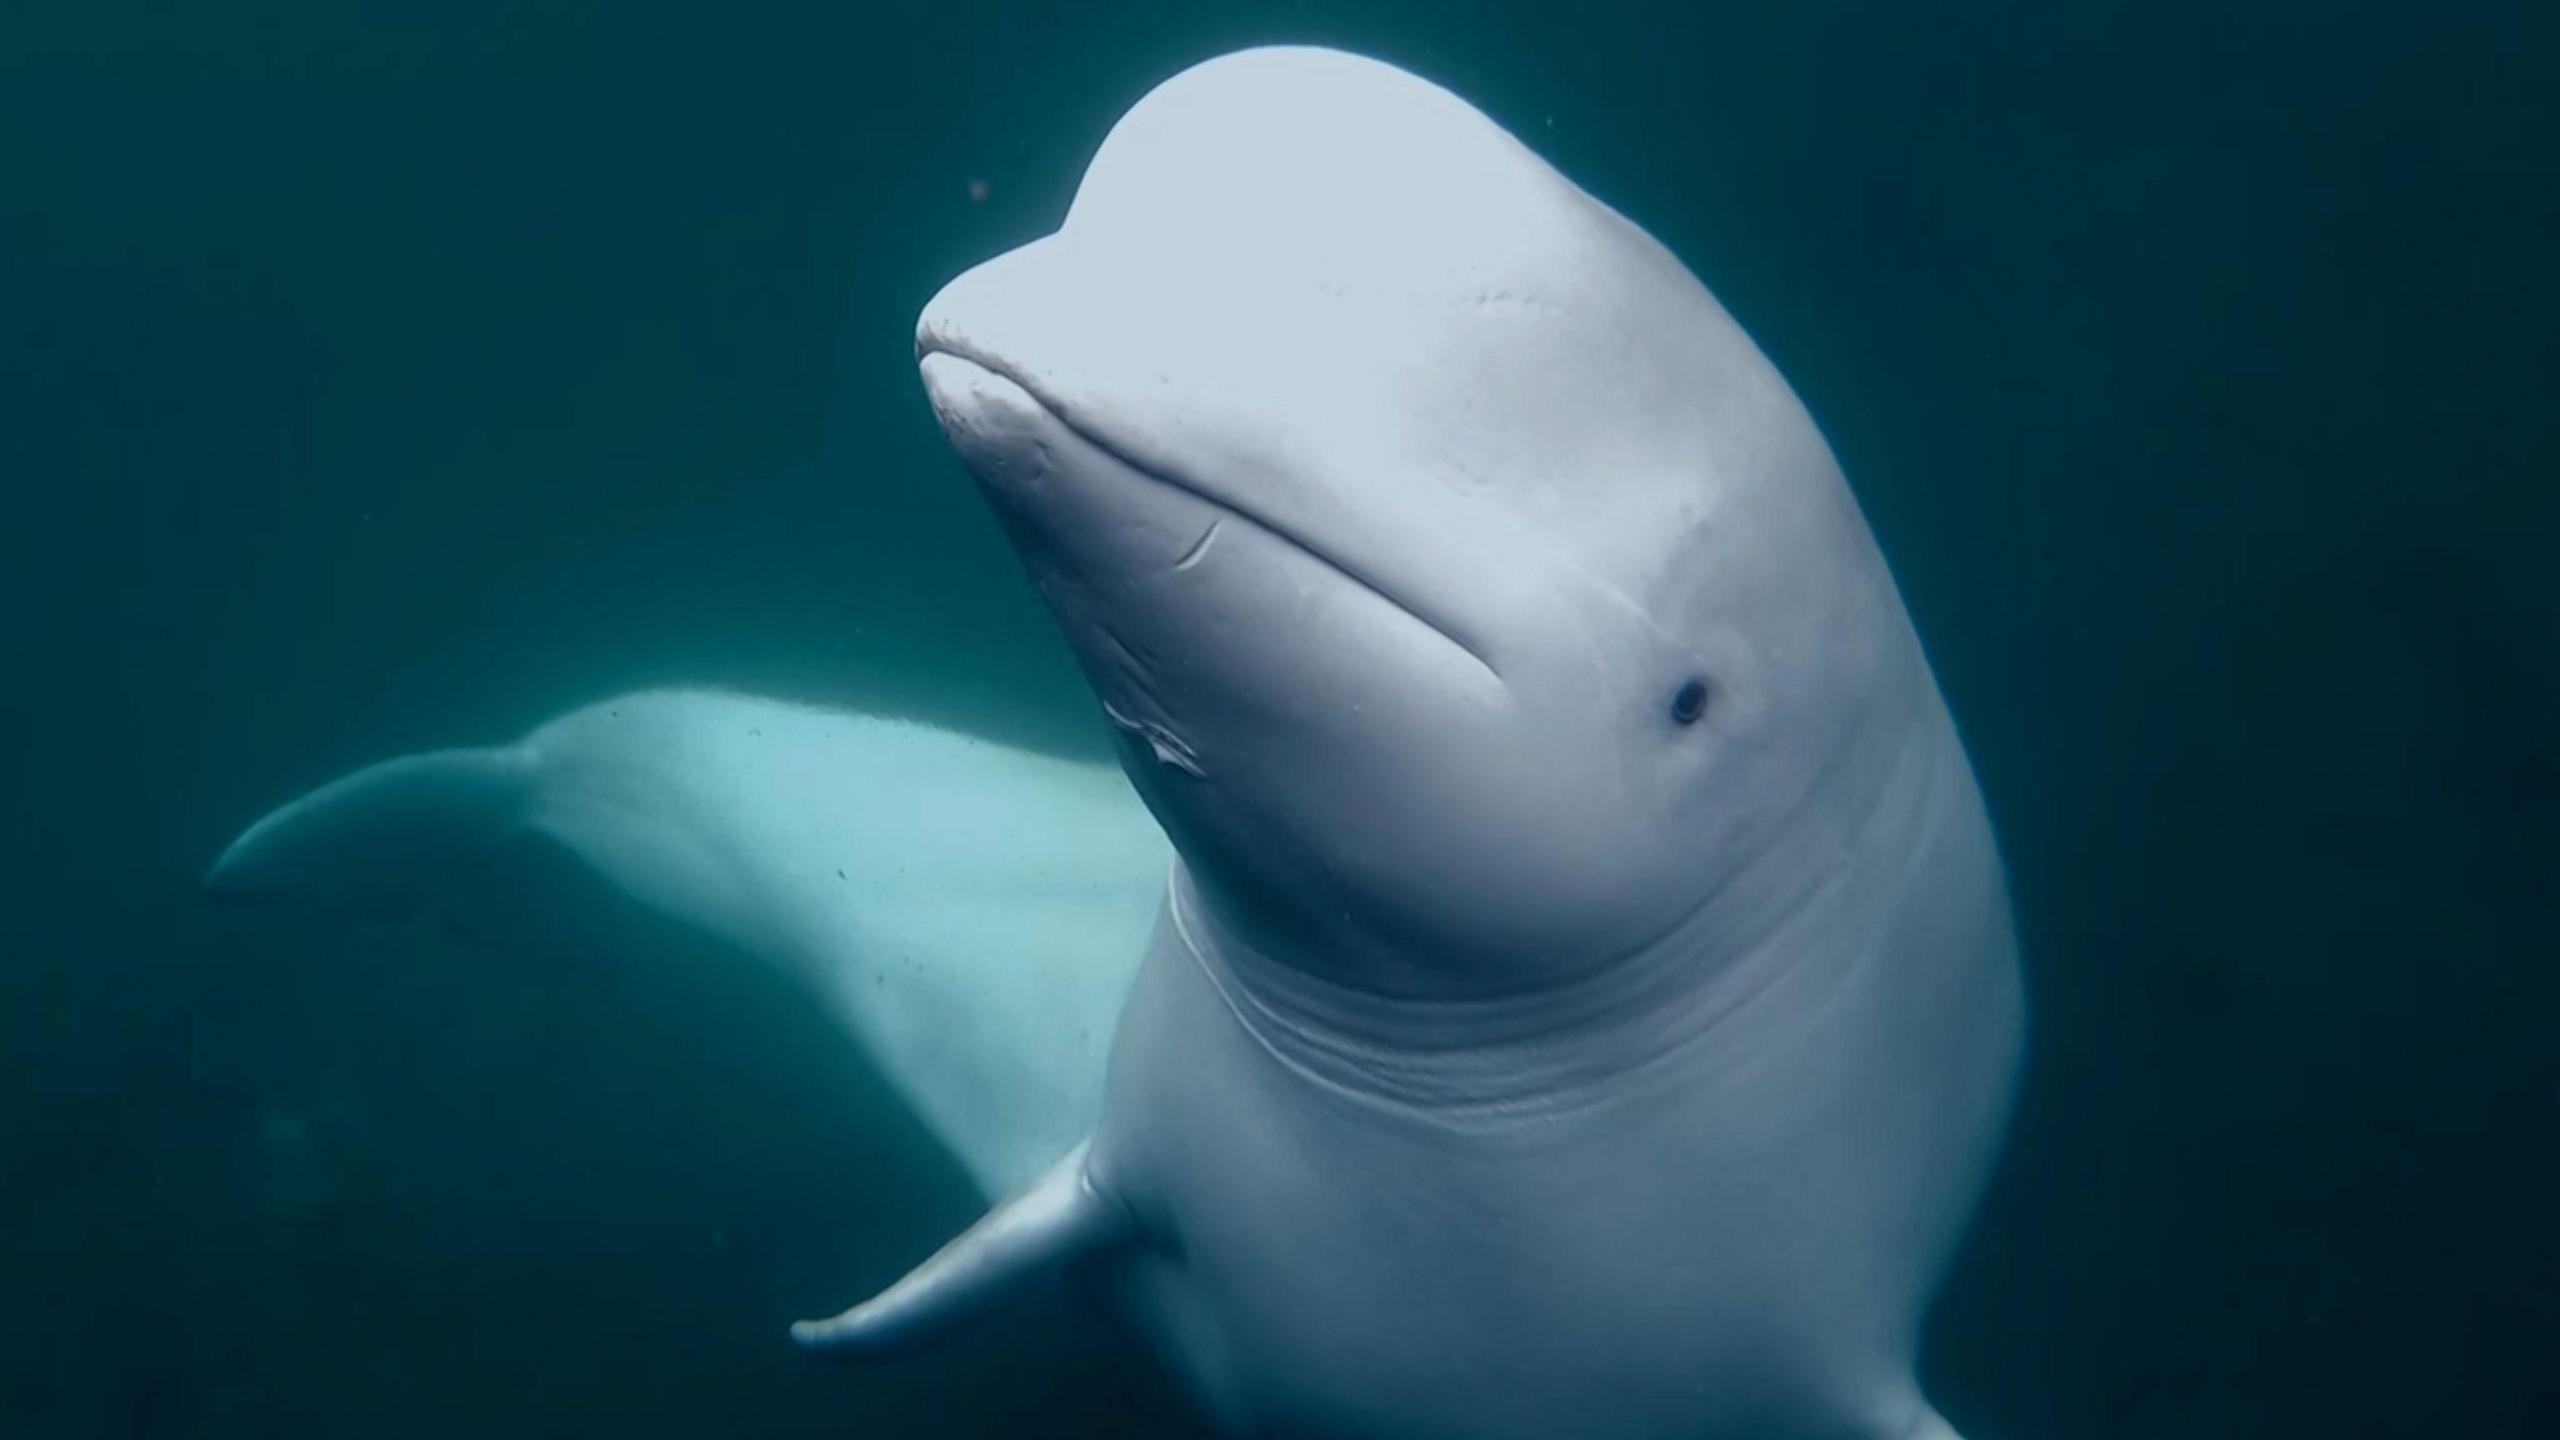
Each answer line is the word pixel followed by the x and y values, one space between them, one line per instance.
pixel 969 912
pixel 1585 1001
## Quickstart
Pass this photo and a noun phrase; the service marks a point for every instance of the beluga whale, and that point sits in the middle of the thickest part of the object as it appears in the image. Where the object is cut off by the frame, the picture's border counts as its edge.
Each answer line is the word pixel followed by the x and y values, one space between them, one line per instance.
pixel 1585 999
pixel 969 914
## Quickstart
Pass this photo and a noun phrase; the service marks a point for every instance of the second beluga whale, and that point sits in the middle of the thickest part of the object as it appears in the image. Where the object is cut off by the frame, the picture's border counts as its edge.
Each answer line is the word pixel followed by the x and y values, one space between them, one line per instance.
pixel 1585 1001
pixel 969 913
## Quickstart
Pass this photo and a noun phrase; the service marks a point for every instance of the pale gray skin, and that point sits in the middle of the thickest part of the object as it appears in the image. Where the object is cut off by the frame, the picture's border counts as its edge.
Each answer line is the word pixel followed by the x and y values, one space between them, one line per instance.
pixel 971 914
pixel 1523 1050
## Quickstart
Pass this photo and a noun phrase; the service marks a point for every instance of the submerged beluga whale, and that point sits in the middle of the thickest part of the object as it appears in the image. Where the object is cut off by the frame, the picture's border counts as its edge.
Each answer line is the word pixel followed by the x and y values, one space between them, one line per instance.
pixel 1585 1001
pixel 970 914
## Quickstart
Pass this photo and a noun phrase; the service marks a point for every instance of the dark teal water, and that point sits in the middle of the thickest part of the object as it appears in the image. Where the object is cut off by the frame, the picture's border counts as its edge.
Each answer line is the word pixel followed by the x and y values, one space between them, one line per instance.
pixel 375 376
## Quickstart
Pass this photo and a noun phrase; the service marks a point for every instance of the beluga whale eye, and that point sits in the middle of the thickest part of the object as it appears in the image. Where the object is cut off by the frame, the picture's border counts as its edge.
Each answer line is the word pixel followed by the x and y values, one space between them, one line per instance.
pixel 1689 701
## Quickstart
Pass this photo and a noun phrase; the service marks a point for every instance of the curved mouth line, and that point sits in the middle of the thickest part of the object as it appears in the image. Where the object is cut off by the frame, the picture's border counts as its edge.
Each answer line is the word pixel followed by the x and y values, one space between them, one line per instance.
pixel 939 343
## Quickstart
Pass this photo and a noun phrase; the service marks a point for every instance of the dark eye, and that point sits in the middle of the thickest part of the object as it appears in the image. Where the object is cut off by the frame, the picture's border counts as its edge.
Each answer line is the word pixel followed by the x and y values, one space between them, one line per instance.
pixel 1690 702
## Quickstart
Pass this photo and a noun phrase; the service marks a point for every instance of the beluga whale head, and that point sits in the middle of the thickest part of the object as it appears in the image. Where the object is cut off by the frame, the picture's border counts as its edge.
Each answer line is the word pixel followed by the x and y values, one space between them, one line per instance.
pixel 1475 604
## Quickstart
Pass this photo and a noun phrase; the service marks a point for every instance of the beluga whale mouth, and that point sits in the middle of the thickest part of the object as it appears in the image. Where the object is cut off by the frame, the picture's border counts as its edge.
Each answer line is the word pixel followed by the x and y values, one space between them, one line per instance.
pixel 996 413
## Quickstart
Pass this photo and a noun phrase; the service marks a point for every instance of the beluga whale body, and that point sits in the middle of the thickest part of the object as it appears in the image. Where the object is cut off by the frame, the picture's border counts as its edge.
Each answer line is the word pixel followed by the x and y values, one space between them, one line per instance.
pixel 1585 1000
pixel 970 914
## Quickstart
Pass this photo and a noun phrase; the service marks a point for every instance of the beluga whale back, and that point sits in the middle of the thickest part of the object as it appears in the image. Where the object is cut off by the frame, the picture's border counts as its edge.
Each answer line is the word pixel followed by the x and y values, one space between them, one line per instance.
pixel 1585 1001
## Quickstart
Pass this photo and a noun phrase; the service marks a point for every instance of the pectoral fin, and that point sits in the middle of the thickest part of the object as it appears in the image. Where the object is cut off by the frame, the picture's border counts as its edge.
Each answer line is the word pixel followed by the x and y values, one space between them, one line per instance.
pixel 1065 1216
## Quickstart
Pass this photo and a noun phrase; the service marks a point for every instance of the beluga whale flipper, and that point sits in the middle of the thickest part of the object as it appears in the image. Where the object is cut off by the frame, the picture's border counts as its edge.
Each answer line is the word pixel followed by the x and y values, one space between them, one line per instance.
pixel 1585 1002
pixel 971 913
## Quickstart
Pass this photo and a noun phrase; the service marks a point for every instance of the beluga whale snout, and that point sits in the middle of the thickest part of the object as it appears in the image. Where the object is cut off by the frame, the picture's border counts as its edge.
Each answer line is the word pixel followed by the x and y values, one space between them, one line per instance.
pixel 1585 1000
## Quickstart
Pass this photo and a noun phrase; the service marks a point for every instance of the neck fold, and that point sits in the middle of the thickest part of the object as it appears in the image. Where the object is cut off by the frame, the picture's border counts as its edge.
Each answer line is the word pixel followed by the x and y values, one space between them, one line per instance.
pixel 1797 920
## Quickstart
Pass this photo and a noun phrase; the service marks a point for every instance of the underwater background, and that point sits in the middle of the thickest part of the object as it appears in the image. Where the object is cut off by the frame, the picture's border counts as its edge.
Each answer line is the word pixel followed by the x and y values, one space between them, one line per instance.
pixel 378 376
